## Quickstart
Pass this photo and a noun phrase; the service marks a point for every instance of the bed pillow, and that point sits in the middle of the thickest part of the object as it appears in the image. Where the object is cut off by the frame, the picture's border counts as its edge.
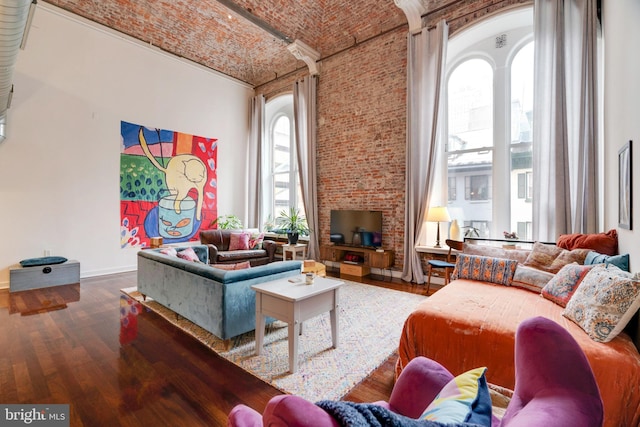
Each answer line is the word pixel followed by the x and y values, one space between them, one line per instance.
pixel 620 261
pixel 486 269
pixel 604 302
pixel 530 278
pixel 188 254
pixel 552 258
pixel 519 255
pixel 562 286
pixel 465 398
pixel 605 243
pixel 239 241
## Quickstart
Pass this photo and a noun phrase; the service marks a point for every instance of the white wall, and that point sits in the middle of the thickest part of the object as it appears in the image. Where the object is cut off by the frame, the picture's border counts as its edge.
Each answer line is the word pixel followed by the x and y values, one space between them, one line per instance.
pixel 622 112
pixel 59 166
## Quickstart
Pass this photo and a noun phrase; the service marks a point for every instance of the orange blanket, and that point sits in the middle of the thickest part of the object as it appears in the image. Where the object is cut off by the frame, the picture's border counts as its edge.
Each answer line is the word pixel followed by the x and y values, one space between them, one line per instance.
pixel 468 324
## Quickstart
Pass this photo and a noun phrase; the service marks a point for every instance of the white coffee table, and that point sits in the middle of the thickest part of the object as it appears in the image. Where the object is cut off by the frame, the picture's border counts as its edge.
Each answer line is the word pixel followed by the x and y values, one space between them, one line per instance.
pixel 294 303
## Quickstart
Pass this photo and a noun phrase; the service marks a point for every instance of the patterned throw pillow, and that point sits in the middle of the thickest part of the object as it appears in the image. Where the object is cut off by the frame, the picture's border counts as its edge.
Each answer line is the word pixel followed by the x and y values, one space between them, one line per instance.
pixel 255 240
pixel 486 269
pixel 561 287
pixel 530 278
pixel 169 251
pixel 519 255
pixel 552 258
pixel 604 302
pixel 463 399
pixel 188 254
pixel 239 241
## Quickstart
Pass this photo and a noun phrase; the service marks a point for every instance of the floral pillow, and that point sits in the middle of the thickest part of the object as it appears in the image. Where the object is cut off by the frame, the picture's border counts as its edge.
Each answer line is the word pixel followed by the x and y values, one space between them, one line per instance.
pixel 465 398
pixel 486 269
pixel 188 254
pixel 255 241
pixel 552 258
pixel 562 286
pixel 604 302
pixel 239 241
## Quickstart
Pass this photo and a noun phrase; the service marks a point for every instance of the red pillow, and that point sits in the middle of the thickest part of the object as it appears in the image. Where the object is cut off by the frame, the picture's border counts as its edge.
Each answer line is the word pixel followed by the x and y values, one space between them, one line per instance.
pixel 239 241
pixel 604 243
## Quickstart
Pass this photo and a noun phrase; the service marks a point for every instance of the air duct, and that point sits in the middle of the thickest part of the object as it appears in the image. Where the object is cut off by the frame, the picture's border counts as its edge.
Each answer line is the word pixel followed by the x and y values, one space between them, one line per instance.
pixel 13 22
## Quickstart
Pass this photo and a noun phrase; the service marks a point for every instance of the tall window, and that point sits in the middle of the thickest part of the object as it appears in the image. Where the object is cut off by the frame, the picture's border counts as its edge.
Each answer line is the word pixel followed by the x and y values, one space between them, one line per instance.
pixel 489 120
pixel 281 188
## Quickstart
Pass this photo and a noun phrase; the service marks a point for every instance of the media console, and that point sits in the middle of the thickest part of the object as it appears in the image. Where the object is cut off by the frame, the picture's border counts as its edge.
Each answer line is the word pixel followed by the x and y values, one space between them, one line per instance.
pixel 356 260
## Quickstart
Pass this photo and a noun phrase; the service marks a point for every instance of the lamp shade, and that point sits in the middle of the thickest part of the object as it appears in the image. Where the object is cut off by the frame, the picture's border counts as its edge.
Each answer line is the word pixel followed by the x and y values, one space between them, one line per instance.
pixel 438 214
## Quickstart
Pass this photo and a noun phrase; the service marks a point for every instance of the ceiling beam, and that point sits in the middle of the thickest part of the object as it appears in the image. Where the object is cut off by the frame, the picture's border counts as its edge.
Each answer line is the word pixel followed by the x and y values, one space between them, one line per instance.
pixel 255 20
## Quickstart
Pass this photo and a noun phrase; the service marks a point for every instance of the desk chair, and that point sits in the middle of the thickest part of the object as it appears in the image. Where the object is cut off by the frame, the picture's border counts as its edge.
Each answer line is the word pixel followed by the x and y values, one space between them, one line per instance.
pixel 447 265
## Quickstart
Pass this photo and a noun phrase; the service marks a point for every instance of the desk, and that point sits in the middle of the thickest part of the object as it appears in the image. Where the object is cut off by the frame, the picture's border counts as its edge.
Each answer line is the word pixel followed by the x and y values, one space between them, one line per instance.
pixel 294 249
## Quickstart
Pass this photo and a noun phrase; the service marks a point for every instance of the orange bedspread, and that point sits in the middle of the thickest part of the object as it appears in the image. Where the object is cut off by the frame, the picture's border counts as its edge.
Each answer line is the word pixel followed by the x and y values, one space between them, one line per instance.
pixel 468 324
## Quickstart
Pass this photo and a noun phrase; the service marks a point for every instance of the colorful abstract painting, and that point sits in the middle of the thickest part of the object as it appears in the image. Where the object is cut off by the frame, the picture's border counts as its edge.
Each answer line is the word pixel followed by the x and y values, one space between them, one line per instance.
pixel 168 185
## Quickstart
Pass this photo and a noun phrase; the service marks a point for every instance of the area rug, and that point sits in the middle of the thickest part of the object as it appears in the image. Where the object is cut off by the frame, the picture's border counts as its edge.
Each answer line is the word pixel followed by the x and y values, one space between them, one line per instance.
pixel 371 320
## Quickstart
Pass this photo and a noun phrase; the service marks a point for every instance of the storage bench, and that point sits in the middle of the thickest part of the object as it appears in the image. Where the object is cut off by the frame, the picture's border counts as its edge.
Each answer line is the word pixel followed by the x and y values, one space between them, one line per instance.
pixel 43 276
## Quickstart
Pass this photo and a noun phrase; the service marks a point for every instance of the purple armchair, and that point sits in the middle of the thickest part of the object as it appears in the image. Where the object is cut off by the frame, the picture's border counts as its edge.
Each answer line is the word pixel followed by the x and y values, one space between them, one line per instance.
pixel 555 387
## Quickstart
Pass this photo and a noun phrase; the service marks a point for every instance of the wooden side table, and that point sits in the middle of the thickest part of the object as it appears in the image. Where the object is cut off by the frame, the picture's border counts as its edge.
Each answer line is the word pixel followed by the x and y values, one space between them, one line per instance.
pixel 294 250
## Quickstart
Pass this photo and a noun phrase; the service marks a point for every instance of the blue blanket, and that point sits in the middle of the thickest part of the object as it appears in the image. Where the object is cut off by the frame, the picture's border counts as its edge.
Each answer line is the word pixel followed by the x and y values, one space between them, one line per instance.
pixel 349 414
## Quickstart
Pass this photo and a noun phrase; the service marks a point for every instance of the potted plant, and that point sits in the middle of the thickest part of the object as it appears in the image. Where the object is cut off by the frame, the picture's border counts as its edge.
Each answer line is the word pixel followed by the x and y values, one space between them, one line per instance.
pixel 293 223
pixel 228 222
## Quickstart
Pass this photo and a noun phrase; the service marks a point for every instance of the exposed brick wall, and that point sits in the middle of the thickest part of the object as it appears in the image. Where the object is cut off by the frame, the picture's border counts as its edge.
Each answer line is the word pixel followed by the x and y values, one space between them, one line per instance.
pixel 362 122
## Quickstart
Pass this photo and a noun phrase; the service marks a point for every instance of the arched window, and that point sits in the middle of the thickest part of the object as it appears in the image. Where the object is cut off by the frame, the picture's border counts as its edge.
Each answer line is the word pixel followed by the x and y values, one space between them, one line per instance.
pixel 487 158
pixel 281 188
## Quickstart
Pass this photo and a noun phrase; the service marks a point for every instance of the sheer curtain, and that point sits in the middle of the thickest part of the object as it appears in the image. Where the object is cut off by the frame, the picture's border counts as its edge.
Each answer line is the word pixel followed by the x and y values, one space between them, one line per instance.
pixel 425 85
pixel 565 130
pixel 304 114
pixel 254 163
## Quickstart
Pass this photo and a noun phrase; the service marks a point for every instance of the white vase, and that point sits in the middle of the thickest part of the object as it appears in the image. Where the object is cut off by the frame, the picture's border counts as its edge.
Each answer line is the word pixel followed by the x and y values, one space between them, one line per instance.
pixel 454 231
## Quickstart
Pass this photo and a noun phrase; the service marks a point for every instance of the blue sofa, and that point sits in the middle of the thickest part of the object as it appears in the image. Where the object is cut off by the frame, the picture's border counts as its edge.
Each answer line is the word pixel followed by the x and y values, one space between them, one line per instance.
pixel 220 301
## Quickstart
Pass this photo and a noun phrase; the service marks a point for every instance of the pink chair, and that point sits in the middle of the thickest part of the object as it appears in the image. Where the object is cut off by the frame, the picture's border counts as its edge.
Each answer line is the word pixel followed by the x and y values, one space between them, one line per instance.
pixel 555 387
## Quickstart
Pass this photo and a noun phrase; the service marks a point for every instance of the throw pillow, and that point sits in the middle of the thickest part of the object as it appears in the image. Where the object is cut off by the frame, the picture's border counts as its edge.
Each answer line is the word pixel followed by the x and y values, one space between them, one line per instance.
pixel 46 260
pixel 465 398
pixel 255 240
pixel 494 270
pixel 519 255
pixel 562 286
pixel 242 265
pixel 239 241
pixel 552 258
pixel 620 261
pixel 169 251
pixel 530 278
pixel 604 302
pixel 227 267
pixel 188 254
pixel 605 243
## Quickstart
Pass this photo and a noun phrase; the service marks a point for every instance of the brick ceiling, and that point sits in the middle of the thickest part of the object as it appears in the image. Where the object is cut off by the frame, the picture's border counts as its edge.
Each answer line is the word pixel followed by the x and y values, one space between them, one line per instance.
pixel 229 35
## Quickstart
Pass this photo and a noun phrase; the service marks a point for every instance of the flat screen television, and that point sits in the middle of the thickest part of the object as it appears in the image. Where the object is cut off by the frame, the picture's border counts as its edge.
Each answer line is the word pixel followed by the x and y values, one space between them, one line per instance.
pixel 356 228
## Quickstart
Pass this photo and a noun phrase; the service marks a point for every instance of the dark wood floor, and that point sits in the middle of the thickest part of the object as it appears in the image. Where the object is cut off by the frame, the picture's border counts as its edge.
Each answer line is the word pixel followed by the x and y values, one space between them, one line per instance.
pixel 65 345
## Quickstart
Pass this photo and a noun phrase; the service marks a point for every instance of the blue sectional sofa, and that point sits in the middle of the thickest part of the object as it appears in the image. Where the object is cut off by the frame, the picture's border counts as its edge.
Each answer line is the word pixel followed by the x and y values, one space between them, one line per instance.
pixel 220 301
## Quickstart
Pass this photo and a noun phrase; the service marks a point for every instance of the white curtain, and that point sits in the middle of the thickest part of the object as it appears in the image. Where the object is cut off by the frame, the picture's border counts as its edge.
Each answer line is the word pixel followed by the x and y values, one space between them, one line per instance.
pixel 304 114
pixel 565 130
pixel 254 163
pixel 425 86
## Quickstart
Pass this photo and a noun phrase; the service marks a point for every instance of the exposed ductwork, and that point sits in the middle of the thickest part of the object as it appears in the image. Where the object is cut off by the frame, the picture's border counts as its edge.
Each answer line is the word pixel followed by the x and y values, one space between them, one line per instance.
pixel 14 15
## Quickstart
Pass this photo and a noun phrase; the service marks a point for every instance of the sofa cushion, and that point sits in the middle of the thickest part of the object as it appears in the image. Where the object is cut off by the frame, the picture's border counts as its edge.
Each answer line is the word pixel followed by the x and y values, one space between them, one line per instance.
pixel 552 258
pixel 237 256
pixel 605 243
pixel 620 261
pixel 604 302
pixel 494 270
pixel 562 286
pixel 463 399
pixel 530 278
pixel 239 241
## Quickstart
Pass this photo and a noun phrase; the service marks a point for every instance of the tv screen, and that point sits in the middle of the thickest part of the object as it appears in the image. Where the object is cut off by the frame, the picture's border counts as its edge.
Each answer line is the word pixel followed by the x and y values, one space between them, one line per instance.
pixel 356 228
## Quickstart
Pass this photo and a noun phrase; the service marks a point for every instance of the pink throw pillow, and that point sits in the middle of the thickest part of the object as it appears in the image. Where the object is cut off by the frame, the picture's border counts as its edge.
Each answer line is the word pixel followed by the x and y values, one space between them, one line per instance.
pixel 242 265
pixel 226 267
pixel 188 254
pixel 169 251
pixel 239 241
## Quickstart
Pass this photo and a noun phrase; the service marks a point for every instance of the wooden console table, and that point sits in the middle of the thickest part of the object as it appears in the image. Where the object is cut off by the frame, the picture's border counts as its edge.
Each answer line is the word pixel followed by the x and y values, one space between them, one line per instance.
pixel 371 258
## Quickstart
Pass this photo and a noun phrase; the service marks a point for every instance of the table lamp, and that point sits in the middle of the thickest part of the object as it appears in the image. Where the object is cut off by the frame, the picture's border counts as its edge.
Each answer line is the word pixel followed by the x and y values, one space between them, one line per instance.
pixel 438 214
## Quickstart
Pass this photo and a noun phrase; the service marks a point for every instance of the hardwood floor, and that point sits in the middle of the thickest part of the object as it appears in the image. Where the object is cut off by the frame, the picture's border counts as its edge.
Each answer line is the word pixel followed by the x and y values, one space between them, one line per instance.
pixel 63 345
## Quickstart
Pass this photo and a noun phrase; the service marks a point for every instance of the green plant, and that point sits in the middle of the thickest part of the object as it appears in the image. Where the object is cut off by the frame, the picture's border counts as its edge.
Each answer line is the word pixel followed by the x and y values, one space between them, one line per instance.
pixel 228 222
pixel 292 221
